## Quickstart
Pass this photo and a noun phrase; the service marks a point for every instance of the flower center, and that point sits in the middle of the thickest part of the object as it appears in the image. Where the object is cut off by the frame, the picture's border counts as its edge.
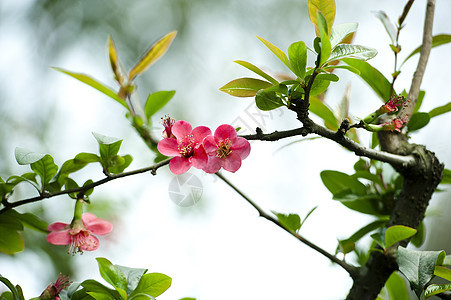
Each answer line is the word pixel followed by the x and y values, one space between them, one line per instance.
pixel 80 241
pixel 186 146
pixel 223 148
pixel 167 122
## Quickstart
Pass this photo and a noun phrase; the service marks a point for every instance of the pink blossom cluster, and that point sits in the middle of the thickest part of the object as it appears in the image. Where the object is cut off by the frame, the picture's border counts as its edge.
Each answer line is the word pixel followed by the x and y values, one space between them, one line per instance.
pixel 200 148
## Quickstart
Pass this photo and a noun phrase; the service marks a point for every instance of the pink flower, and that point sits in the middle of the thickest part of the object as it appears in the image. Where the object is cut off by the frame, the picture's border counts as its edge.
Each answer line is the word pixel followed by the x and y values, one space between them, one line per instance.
pixel 79 234
pixel 52 291
pixel 186 147
pixel 395 124
pixel 392 104
pixel 225 149
pixel 168 122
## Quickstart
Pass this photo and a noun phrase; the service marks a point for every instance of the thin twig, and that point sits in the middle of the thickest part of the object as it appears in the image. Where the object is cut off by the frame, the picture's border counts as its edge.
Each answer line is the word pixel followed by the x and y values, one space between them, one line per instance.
pixel 83 189
pixel 394 159
pixel 349 268
pixel 422 62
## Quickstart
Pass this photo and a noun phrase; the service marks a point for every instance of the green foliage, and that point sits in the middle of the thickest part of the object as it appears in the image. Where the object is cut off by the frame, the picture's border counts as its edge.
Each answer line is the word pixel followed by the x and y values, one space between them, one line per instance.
pixel 375 79
pixel 27 157
pixel 268 100
pixel 257 71
pixel 277 52
pixel 245 87
pixel 355 51
pixel 437 40
pixel 16 291
pixel 340 32
pixel 128 283
pixel 326 8
pixel 297 53
pixel 389 27
pixel 395 234
pixel 396 287
pixel 418 121
pixel 419 266
pixel 435 289
pixel 157 101
pixel 109 149
pixel 348 245
pixel 95 84
pixel 324 35
pixel 320 109
pixel 291 222
pixel 446 176
pixel 440 110
pixel 154 53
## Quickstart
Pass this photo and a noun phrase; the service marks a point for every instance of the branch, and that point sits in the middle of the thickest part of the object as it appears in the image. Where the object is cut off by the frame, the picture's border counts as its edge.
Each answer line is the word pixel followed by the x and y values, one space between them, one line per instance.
pixel 394 159
pixel 350 269
pixel 422 62
pixel 81 190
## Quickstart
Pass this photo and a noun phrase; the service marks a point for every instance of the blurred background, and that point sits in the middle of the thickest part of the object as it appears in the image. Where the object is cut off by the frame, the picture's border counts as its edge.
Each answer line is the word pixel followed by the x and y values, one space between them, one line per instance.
pixel 218 248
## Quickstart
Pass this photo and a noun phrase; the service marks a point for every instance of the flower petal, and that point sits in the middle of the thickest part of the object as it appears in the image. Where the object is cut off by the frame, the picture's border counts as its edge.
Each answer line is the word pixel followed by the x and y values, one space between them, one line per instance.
pixel 168 147
pixel 210 145
pixel 242 147
pixel 232 163
pixel 199 159
pixel 179 165
pixel 59 237
pixel 98 226
pixel 90 243
pixel 57 226
pixel 214 164
pixel 181 129
pixel 226 131
pixel 200 133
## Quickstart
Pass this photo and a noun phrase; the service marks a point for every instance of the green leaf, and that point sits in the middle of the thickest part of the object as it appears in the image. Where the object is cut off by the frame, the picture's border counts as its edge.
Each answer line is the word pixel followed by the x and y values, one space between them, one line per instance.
pixel 443 272
pixel 418 239
pixel 397 233
pixel 94 84
pixel 380 85
pixel 327 9
pixel 361 233
pixel 156 101
pixel 12 288
pixel 435 289
pixel 26 157
pixel 327 76
pixel 291 222
pixel 279 53
pixel 112 274
pixel 100 296
pixel 257 70
pixel 245 87
pixel 319 86
pixel 308 214
pixel 91 285
pixel 9 220
pixel 355 51
pixel 297 53
pixel 325 42
pixel 86 158
pixel 10 241
pixel 440 110
pixel 437 40
pixel 152 284
pixel 389 27
pixel 418 121
pixel 45 168
pixel 396 287
pixel 154 53
pixel 119 163
pixel 30 220
pixel 378 237
pixel 114 61
pixel 339 183
pixel 268 100
pixel 133 276
pixel 108 146
pixel 324 112
pixel 446 177
pixel 340 32
pixel 7 295
pixel 418 266
pixel 349 68
pixel 368 204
